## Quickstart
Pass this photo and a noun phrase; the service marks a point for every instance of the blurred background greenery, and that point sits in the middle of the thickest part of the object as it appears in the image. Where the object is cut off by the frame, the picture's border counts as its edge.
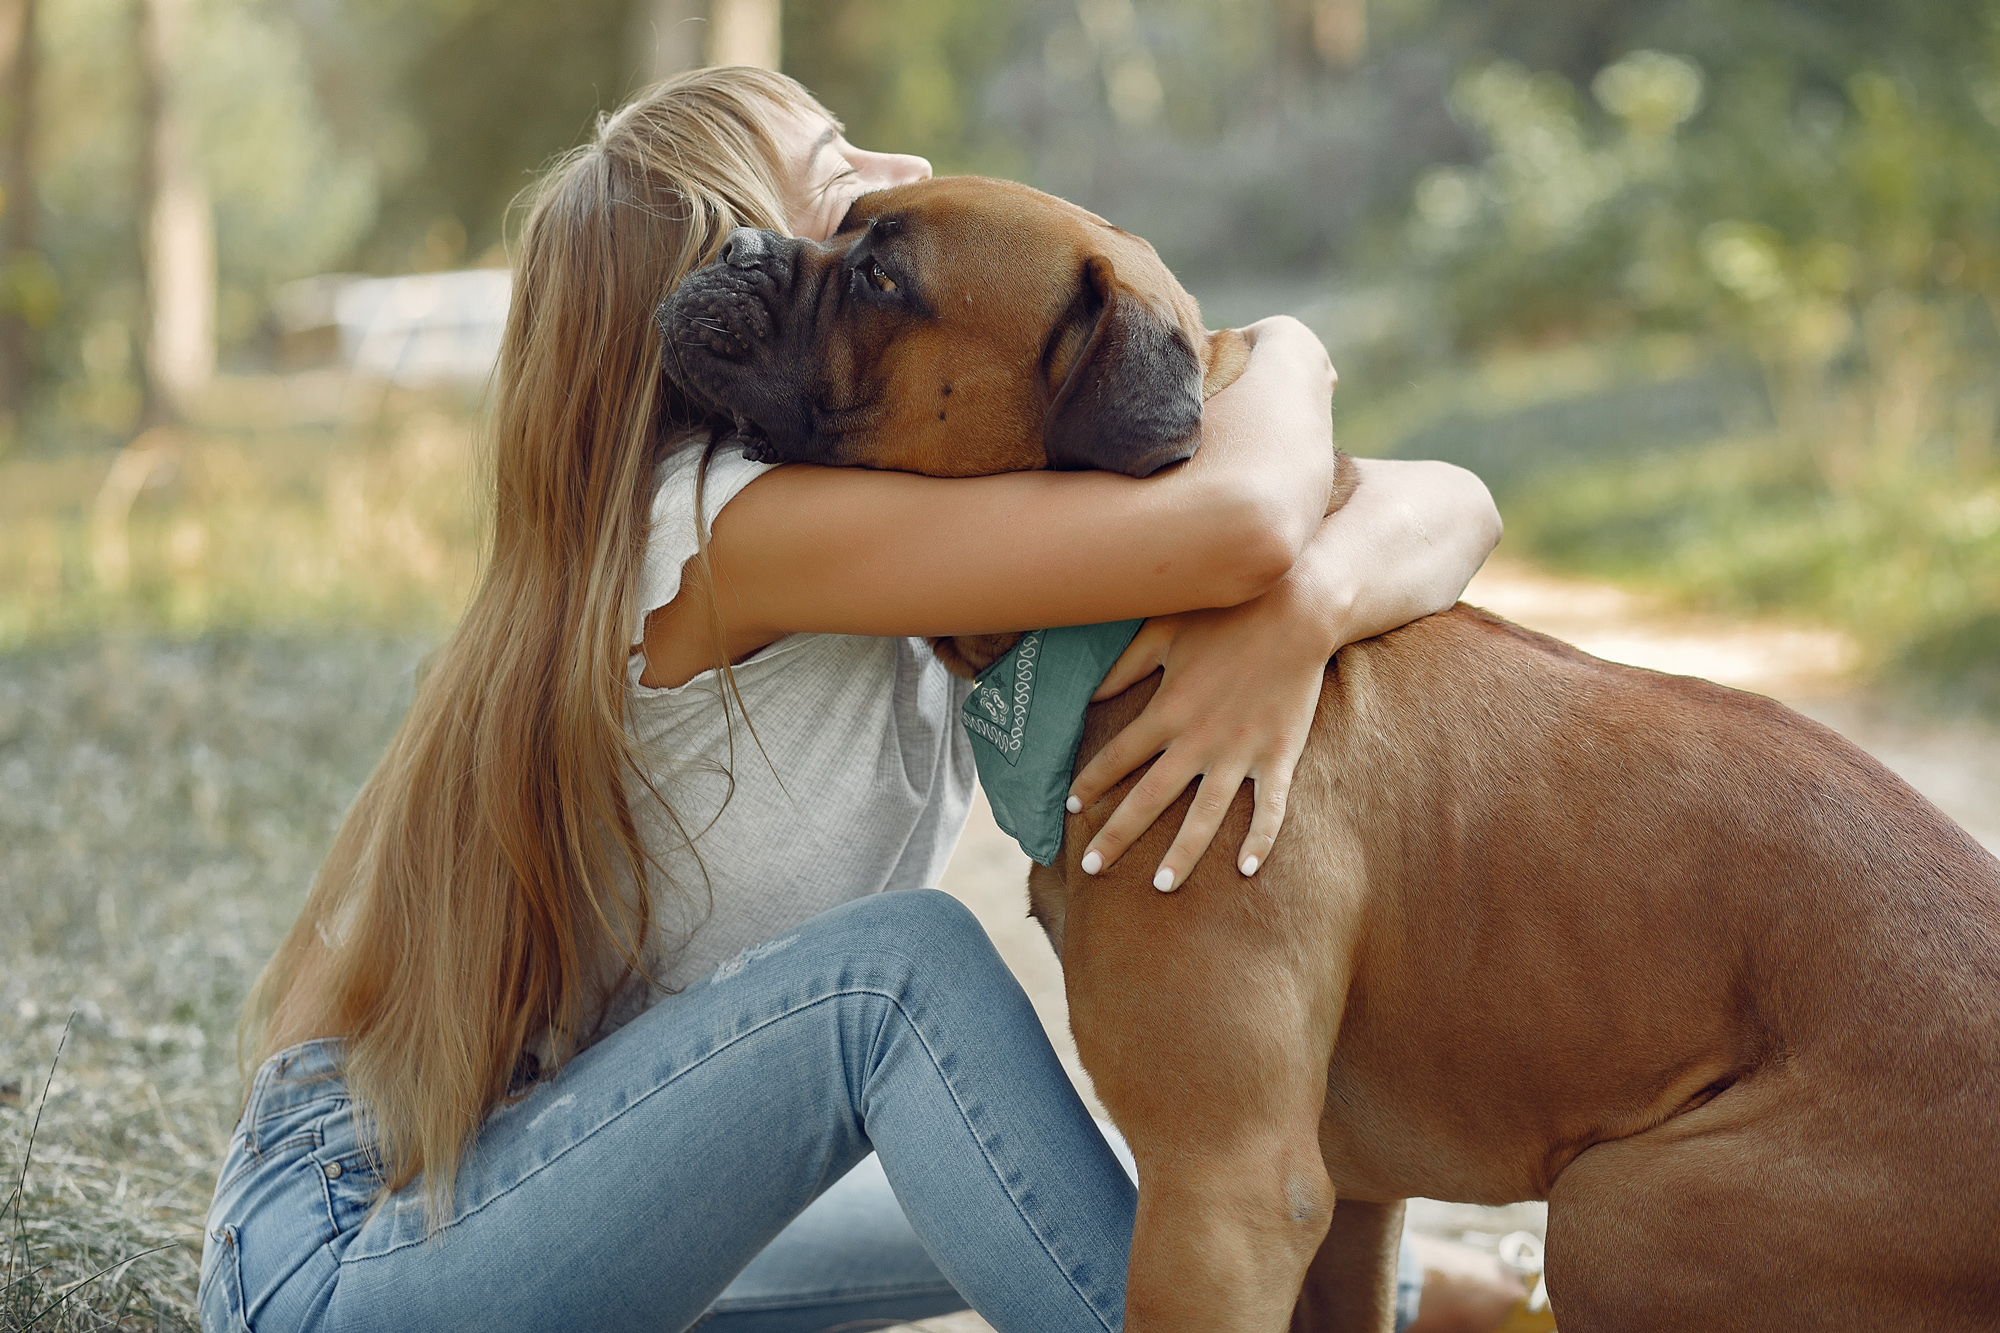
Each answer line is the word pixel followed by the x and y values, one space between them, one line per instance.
pixel 1706 289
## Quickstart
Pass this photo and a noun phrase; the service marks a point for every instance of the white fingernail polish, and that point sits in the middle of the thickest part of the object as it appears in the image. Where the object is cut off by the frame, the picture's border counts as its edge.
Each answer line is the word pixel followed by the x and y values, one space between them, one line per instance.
pixel 1092 862
pixel 1164 881
pixel 1073 805
pixel 1249 865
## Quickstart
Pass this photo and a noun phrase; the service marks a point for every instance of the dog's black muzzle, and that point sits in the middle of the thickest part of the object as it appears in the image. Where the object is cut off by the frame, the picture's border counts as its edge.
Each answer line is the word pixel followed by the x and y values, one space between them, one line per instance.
pixel 726 328
pixel 729 309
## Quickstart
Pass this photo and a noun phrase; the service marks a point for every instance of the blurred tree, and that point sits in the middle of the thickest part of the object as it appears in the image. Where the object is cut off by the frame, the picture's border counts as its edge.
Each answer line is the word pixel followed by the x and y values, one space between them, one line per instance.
pixel 905 75
pixel 19 266
pixel 1340 31
pixel 670 35
pixel 291 188
pixel 1751 189
pixel 480 94
pixel 744 32
pixel 1813 188
pixel 179 255
pixel 673 35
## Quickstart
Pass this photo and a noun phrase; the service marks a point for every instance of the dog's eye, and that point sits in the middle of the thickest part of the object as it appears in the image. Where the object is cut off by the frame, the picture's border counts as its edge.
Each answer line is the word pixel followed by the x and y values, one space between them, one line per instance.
pixel 881 281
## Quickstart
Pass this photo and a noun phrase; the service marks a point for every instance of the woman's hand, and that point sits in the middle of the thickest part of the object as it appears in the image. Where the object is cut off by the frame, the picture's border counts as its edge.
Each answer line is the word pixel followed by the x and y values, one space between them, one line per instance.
pixel 1236 700
pixel 1240 685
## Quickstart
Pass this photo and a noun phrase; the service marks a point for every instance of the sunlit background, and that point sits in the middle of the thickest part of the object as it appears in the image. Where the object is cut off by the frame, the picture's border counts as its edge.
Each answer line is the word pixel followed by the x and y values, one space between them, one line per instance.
pixel 1708 291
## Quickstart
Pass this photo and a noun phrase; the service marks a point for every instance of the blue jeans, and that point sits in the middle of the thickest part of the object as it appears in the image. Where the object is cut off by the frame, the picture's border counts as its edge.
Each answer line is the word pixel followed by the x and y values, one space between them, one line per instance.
pixel 669 1174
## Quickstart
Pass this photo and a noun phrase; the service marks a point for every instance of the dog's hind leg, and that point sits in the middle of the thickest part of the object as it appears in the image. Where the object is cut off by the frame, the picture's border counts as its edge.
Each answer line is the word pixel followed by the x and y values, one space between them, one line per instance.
pixel 1351 1285
pixel 1798 1211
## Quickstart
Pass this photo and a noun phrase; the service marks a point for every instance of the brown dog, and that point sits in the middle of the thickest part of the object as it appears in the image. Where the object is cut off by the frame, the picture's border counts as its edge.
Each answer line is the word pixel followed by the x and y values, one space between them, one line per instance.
pixel 1690 967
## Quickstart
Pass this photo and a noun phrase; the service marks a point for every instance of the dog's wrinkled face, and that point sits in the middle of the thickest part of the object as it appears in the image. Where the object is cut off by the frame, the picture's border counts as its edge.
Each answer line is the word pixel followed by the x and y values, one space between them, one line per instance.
pixel 955 327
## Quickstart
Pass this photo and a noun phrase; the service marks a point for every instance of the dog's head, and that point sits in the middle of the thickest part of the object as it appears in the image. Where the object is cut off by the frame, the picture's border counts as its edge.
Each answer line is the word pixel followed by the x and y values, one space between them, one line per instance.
pixel 955 327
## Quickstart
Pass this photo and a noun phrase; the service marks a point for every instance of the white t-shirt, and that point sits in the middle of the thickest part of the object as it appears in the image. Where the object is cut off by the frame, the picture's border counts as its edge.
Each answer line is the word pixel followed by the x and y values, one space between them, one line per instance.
pixel 857 779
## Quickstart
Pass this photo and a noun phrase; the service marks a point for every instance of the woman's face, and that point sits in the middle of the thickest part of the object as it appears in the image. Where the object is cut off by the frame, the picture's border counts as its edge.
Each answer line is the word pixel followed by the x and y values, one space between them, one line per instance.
pixel 828 173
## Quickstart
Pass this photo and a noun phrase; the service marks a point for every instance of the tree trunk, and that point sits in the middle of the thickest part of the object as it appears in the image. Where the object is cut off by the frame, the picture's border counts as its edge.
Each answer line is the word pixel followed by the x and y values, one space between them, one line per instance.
pixel 673 34
pixel 179 242
pixel 676 35
pixel 1340 31
pixel 743 32
pixel 18 68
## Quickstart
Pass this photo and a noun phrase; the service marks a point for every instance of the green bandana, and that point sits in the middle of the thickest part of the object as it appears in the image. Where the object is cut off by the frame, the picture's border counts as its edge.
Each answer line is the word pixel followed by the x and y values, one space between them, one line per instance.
pixel 1025 717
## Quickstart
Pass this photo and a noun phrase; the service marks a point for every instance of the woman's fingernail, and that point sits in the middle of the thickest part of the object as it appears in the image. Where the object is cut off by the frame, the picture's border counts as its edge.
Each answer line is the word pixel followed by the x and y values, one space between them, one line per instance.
pixel 1249 865
pixel 1073 805
pixel 1164 881
pixel 1092 862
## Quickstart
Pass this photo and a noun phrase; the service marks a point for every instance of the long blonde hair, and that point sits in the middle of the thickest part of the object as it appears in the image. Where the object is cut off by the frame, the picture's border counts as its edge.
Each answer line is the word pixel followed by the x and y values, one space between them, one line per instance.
pixel 491 866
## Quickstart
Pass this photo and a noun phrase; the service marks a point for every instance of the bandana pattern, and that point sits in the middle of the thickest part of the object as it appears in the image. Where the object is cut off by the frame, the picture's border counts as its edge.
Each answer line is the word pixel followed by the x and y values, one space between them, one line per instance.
pixel 1025 718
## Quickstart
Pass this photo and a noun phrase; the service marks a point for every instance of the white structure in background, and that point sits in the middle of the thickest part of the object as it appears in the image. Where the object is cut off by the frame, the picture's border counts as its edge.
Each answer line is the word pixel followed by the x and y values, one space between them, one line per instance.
pixel 414 331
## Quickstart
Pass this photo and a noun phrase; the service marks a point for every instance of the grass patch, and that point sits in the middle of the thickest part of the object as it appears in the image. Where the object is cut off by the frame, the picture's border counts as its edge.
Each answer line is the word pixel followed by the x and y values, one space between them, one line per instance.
pixel 1909 564
pixel 274 526
pixel 1677 477
pixel 162 808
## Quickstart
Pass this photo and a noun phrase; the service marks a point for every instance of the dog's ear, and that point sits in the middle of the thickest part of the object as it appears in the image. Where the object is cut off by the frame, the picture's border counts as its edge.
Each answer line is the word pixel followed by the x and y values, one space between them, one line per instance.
pixel 1131 403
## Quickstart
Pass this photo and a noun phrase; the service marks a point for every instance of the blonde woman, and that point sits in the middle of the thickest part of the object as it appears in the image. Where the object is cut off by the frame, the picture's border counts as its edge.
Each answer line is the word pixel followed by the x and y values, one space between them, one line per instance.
pixel 599 988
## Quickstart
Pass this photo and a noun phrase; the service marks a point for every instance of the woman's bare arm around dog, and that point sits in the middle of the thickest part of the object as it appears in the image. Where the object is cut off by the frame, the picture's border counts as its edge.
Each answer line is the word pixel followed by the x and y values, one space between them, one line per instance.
pixel 850 551
pixel 1241 684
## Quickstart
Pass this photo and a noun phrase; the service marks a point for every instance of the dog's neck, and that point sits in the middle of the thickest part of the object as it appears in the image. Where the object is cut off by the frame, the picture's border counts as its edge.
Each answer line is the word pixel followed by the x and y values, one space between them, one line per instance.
pixel 966 655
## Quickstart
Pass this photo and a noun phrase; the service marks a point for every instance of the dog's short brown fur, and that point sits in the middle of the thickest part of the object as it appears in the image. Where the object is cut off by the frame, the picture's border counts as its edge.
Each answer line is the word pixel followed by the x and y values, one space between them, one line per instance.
pixel 1692 968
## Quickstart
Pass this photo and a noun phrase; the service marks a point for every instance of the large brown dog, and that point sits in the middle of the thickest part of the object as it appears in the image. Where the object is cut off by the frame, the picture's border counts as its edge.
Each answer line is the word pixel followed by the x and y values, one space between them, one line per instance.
pixel 1690 967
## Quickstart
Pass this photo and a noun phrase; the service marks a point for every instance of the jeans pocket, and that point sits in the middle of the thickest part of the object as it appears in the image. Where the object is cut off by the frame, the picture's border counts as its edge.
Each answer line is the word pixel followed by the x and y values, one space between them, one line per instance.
pixel 220 1296
pixel 349 1168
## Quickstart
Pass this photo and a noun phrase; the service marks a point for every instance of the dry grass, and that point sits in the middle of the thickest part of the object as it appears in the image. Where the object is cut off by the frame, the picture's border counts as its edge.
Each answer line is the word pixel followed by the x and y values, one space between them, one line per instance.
pixel 162 808
pixel 272 524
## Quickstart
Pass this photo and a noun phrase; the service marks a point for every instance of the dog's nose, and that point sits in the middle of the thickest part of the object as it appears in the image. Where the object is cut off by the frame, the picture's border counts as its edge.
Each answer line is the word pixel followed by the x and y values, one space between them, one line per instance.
pixel 746 248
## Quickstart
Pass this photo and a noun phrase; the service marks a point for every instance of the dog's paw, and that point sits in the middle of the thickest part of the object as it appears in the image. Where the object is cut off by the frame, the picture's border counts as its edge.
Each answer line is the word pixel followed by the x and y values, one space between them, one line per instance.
pixel 756 445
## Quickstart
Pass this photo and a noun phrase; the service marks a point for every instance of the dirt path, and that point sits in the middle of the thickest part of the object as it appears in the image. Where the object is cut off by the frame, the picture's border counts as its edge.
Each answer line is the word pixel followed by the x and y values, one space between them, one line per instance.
pixel 1956 765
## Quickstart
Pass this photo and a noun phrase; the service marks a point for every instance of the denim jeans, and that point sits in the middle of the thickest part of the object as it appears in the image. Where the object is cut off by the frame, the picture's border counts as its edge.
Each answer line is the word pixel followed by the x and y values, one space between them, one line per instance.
pixel 668 1175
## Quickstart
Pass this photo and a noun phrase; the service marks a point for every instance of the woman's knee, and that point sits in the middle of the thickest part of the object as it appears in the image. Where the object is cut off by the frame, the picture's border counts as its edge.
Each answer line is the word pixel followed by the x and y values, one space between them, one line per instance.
pixel 920 916
pixel 925 936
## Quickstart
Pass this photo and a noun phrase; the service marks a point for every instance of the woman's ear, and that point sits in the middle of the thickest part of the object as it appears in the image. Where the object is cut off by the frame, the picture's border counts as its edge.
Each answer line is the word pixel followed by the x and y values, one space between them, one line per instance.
pixel 1132 401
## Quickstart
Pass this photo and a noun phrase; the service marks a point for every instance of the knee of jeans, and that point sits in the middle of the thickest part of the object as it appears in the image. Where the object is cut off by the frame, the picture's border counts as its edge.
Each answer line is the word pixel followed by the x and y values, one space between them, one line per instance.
pixel 927 934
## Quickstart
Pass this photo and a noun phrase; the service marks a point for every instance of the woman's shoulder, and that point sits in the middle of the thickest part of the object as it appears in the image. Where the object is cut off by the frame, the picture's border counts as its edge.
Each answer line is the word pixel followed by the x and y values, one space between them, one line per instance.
pixel 808 671
pixel 716 470
pixel 700 471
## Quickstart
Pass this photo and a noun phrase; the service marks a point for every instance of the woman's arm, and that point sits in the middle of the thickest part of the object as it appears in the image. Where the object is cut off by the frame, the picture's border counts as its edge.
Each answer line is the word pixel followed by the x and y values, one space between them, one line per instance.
pixel 1403 546
pixel 851 551
pixel 1240 685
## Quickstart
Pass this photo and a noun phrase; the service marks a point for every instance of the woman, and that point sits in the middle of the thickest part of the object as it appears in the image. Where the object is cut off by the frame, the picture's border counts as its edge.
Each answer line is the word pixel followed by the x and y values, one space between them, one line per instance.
pixel 597 989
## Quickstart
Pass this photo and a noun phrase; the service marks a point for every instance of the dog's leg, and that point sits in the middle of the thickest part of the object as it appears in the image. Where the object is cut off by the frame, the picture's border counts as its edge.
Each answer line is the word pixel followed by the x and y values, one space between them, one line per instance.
pixel 1234 1199
pixel 1206 1019
pixel 1782 1207
pixel 1351 1285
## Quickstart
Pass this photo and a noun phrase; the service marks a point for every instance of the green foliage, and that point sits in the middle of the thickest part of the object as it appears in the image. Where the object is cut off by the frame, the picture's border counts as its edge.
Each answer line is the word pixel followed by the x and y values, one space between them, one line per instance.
pixel 475 96
pixel 386 136
pixel 906 74
pixel 290 197
pixel 1826 211
pixel 1907 562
